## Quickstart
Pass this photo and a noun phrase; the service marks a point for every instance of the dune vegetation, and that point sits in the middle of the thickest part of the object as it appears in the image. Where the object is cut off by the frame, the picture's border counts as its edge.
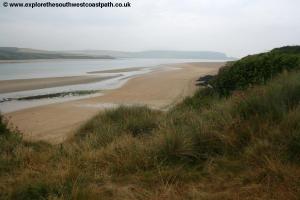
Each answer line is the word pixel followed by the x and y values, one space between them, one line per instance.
pixel 238 139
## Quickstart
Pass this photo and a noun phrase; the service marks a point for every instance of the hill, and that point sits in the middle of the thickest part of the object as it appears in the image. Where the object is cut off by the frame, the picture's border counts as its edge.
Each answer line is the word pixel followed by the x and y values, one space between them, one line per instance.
pixel 13 53
pixel 159 54
pixel 235 142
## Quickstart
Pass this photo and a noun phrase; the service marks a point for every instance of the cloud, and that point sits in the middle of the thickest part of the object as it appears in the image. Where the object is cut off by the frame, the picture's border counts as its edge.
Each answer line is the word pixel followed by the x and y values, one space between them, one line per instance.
pixel 236 27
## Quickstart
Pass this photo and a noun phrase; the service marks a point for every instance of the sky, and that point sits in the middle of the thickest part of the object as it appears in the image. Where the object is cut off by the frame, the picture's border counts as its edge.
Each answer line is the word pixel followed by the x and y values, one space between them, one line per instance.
pixel 235 27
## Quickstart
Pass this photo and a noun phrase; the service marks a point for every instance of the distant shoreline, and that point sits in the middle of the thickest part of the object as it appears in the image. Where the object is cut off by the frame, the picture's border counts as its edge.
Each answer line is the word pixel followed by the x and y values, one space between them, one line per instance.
pixel 51 59
pixel 59 59
pixel 15 53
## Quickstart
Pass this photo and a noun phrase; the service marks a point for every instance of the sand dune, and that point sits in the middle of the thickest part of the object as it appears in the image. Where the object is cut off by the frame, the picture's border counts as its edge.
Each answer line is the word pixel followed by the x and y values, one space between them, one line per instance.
pixel 159 89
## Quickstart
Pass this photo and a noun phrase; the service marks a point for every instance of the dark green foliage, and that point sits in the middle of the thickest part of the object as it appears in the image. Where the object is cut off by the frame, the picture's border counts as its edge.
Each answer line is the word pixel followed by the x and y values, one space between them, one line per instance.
pixel 60 94
pixel 3 127
pixel 287 49
pixel 36 191
pixel 294 147
pixel 256 69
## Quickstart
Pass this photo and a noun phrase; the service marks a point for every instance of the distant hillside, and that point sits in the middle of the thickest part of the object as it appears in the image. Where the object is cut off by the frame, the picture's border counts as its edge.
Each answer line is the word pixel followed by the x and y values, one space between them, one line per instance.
pixel 13 53
pixel 158 54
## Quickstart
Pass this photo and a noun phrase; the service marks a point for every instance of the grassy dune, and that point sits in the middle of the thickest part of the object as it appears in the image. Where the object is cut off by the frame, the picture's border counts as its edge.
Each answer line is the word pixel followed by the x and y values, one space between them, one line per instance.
pixel 242 145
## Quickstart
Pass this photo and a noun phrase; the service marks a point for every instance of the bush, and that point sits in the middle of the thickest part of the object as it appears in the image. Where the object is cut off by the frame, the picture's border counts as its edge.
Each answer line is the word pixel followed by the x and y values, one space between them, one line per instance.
pixel 256 69
pixel 287 49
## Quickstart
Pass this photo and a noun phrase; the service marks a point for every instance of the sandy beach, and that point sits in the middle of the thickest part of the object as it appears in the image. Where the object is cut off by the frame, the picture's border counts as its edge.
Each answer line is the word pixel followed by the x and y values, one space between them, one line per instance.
pixel 159 89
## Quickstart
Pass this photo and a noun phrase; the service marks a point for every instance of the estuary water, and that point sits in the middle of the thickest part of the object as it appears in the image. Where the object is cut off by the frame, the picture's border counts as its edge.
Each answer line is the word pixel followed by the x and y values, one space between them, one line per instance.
pixel 66 68
pixel 61 68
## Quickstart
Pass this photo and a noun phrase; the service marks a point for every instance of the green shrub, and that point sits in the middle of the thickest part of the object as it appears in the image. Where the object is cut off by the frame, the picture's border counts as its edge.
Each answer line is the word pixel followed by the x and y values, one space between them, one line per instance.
pixel 256 69
pixel 287 49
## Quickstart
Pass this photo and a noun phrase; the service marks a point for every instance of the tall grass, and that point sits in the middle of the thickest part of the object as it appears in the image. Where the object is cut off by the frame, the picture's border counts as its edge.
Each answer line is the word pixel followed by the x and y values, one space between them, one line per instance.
pixel 249 141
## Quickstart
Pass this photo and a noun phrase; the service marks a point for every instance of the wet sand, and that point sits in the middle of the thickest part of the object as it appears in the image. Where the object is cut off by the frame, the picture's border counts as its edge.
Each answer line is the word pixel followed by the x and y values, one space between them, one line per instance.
pixel 160 89
pixel 118 70
pixel 7 86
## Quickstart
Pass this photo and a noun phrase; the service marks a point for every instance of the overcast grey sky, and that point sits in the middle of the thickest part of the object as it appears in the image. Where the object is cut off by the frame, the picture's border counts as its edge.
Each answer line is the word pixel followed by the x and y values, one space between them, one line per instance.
pixel 235 27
